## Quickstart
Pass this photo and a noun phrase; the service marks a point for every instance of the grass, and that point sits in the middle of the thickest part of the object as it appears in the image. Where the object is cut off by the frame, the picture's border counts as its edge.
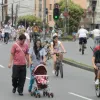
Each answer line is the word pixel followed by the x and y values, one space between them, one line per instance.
pixel 73 61
pixel 68 37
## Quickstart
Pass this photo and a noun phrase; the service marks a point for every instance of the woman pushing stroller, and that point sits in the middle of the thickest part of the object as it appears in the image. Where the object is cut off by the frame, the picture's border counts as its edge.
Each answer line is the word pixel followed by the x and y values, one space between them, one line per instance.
pixel 37 55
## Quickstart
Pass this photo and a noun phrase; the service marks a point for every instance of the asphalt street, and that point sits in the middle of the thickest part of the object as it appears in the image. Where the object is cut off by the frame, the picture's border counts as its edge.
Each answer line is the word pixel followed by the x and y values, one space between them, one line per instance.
pixel 73 53
pixel 77 84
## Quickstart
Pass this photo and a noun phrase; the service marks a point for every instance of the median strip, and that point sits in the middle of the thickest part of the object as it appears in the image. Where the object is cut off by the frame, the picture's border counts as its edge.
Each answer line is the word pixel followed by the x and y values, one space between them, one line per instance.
pixel 78 64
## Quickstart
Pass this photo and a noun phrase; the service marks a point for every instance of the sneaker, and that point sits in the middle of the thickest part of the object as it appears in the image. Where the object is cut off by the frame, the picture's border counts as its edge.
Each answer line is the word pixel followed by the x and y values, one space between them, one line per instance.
pixel 79 50
pixel 14 90
pixel 53 71
pixel 97 82
pixel 20 93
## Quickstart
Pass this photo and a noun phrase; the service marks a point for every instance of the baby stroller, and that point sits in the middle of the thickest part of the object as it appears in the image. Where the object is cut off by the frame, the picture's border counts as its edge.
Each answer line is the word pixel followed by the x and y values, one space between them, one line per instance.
pixel 41 79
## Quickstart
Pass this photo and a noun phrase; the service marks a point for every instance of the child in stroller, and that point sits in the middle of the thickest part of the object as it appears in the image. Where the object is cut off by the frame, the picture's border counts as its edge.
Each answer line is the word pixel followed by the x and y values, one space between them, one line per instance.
pixel 41 79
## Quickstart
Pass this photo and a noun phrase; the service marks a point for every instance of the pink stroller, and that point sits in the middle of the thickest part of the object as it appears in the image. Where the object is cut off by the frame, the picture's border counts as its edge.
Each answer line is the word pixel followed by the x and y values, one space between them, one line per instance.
pixel 41 79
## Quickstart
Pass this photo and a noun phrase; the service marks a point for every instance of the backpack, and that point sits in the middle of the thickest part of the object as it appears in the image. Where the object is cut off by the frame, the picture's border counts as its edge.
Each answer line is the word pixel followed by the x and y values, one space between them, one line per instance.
pixel 97 56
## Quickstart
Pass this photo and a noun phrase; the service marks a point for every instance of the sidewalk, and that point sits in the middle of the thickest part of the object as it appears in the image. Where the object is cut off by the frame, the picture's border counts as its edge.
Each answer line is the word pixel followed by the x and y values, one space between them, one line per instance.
pixel 73 53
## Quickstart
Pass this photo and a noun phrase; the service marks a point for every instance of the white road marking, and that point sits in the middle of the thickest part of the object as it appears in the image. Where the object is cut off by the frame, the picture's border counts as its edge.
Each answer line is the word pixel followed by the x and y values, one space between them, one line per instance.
pixel 2 66
pixel 28 78
pixel 80 96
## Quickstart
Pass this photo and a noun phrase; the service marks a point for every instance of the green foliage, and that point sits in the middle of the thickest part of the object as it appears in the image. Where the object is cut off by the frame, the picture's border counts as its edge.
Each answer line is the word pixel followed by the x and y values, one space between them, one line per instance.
pixel 7 19
pixel 30 19
pixel 75 14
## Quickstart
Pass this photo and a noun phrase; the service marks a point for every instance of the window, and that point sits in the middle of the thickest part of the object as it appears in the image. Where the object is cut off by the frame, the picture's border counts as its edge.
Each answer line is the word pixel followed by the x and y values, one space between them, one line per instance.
pixel 50 18
pixel 40 5
pixel 50 6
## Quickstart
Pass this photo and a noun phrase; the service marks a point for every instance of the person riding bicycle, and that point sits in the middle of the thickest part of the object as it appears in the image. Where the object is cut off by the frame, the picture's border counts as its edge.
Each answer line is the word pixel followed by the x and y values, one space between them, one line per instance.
pixel 82 37
pixel 96 34
pixel 96 63
pixel 55 48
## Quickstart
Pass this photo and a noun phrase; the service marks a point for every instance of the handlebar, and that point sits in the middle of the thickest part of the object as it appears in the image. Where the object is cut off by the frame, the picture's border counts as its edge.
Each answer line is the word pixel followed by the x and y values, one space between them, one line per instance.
pixel 58 53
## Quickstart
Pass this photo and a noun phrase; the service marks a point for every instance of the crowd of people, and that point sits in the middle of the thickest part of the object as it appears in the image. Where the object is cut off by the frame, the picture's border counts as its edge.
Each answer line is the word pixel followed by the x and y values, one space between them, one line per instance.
pixel 24 55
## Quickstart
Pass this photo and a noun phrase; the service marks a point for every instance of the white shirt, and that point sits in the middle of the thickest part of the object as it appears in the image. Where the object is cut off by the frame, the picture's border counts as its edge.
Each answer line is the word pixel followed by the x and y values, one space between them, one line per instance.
pixel 96 32
pixel 27 38
pixel 7 29
pixel 57 47
pixel 82 32
pixel 29 30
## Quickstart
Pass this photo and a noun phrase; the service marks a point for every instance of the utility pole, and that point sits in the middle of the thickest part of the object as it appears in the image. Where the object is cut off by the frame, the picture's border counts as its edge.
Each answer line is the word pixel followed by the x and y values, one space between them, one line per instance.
pixel 16 16
pixel 2 12
pixel 12 15
pixel 44 19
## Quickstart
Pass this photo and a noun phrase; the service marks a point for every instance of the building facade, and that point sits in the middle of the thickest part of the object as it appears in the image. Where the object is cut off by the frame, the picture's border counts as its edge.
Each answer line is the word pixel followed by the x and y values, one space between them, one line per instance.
pixel 25 7
pixel 39 10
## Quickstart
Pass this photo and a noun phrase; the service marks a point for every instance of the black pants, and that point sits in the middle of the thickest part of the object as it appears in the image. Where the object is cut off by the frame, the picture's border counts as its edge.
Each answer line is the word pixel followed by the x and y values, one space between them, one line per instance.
pixel 82 40
pixel 19 77
pixel 6 37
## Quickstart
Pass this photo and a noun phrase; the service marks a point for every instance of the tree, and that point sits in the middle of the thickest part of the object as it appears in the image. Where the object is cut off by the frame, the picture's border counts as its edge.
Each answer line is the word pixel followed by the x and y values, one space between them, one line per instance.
pixel 29 20
pixel 75 15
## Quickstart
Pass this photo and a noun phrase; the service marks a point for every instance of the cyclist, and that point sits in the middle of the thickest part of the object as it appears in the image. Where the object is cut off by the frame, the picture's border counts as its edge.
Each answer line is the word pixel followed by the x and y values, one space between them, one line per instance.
pixel 82 33
pixel 55 48
pixel 37 55
pixel 96 63
pixel 96 34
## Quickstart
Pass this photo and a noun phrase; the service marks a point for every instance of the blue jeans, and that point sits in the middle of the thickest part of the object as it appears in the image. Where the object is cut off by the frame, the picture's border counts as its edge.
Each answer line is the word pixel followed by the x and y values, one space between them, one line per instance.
pixel 31 78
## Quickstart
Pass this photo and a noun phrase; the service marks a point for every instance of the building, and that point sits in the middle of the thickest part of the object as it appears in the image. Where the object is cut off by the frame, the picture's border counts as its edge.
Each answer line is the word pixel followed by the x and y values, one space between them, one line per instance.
pixel 25 7
pixel 97 14
pixel 3 10
pixel 85 4
pixel 86 19
pixel 82 3
pixel 39 10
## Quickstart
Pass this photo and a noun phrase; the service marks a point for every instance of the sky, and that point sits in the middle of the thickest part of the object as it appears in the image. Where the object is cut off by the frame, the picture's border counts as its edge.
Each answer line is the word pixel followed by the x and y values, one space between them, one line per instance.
pixel 0 1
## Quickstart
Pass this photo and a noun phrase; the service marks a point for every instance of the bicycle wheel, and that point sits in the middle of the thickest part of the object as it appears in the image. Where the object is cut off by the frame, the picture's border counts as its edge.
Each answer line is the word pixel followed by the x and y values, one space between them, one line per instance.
pixel 61 70
pixel 97 90
pixel 57 70
pixel 6 40
pixel 82 48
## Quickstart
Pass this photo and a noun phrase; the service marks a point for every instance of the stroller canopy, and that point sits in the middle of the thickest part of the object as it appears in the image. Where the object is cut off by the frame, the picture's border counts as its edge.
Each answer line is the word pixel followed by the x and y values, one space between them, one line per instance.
pixel 40 70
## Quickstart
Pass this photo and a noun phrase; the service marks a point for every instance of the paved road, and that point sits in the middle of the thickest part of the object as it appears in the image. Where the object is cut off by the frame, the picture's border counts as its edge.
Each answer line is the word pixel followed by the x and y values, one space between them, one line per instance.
pixel 77 84
pixel 73 52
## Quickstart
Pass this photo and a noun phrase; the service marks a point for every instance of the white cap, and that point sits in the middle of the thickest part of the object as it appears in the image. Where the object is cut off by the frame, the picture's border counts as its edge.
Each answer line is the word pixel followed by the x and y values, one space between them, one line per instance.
pixel 55 34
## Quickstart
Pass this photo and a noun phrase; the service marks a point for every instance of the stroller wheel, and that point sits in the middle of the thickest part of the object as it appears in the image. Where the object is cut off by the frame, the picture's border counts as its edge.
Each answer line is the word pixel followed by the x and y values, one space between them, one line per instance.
pixel 38 95
pixel 48 95
pixel 44 94
pixel 33 94
pixel 52 95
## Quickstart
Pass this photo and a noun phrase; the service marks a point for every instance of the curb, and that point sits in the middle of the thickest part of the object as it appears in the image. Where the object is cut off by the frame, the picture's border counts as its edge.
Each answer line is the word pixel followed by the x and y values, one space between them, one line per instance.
pixel 78 65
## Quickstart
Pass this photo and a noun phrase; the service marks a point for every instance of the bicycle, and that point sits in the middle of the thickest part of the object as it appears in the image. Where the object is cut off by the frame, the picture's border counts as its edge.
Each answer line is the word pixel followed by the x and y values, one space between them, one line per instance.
pixel 83 47
pixel 97 89
pixel 59 66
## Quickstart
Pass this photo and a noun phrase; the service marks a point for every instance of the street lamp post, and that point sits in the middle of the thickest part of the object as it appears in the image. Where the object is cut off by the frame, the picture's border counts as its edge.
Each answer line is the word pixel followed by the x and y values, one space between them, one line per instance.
pixel 94 2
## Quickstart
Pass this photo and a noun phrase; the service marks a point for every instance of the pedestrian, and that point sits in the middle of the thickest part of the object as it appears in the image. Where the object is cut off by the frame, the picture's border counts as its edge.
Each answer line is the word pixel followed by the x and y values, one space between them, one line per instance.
pixel 7 32
pixel 96 33
pixel 37 55
pixel 18 58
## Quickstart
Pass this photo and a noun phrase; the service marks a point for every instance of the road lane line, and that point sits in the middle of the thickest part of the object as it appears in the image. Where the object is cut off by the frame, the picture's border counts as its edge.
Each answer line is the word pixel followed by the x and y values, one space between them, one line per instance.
pixel 80 96
pixel 2 66
pixel 28 78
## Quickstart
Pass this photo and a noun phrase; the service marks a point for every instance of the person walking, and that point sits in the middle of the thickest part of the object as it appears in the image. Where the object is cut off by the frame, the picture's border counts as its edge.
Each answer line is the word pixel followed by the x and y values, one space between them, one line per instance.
pixel 18 58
